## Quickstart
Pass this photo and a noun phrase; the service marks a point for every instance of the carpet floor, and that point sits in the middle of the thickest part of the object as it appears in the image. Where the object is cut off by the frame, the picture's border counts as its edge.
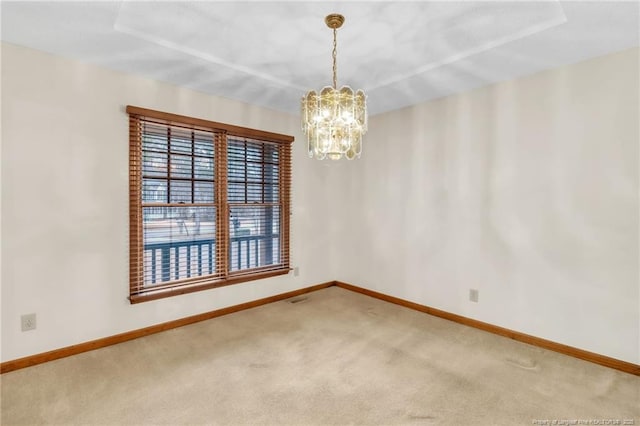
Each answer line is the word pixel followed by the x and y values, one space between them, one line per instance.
pixel 327 357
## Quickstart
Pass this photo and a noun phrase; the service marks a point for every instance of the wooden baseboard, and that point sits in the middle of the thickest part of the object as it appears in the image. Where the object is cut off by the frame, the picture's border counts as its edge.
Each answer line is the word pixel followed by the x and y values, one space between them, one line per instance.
pixel 28 361
pixel 606 361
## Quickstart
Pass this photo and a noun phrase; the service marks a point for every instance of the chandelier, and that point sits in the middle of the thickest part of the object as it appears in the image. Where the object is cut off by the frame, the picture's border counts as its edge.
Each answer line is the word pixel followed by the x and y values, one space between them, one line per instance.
pixel 334 120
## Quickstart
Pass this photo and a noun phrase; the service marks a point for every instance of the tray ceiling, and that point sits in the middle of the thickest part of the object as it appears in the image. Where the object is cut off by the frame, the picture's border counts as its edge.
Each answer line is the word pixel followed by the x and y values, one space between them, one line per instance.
pixel 270 53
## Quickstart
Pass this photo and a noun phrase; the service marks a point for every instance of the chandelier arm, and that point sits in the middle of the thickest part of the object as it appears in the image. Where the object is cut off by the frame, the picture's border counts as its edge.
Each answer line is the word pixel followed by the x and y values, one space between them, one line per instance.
pixel 335 55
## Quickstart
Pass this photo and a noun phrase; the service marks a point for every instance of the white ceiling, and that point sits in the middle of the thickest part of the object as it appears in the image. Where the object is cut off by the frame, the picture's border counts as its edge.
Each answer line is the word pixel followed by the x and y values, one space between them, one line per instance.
pixel 270 53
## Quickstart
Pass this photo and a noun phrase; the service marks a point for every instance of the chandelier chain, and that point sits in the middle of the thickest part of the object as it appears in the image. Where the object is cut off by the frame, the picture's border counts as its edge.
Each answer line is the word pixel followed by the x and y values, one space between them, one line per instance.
pixel 335 55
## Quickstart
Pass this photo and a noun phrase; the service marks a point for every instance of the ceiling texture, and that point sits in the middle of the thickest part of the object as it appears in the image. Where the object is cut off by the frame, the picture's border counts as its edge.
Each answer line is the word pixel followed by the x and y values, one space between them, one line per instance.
pixel 270 53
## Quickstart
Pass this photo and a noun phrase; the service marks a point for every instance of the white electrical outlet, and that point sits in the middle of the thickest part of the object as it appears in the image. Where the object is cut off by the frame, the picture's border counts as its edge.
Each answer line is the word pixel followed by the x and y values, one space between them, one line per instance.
pixel 28 322
pixel 296 271
pixel 473 295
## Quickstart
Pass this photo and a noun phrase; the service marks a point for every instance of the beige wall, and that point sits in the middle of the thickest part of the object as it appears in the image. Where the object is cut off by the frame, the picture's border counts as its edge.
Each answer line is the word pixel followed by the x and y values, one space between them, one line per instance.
pixel 65 202
pixel 526 190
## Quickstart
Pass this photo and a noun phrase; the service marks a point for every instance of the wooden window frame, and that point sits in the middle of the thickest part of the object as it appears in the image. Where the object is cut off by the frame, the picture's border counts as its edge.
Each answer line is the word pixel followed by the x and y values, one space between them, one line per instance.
pixel 223 276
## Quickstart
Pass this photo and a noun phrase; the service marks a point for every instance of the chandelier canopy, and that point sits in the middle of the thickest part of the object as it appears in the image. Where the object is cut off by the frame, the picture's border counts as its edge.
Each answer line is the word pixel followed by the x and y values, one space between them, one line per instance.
pixel 334 119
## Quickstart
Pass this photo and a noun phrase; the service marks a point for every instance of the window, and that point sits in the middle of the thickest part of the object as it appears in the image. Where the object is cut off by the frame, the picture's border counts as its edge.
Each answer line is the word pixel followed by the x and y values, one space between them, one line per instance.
pixel 209 204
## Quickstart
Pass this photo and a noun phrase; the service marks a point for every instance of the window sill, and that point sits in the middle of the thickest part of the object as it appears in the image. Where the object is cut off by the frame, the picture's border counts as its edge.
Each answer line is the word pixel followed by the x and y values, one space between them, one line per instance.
pixel 155 294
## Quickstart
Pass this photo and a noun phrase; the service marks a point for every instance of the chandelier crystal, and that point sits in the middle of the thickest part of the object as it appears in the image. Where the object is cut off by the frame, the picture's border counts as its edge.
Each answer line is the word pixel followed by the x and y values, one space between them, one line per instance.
pixel 334 120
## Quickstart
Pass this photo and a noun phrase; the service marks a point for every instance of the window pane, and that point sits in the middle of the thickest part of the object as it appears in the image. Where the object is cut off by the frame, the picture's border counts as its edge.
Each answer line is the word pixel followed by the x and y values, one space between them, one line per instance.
pixel 180 166
pixel 180 140
pixel 254 151
pixel 203 168
pixel 204 145
pixel 254 193
pixel 255 237
pixel 236 170
pixel 154 139
pixel 203 192
pixel 254 172
pixel 179 243
pixel 271 173
pixel 154 163
pixel 154 191
pixel 235 193
pixel 235 151
pixel 180 191
pixel 271 193
pixel 271 154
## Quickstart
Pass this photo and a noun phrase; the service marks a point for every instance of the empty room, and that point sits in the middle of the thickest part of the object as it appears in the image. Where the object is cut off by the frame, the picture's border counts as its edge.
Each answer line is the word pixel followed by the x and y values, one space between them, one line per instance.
pixel 320 212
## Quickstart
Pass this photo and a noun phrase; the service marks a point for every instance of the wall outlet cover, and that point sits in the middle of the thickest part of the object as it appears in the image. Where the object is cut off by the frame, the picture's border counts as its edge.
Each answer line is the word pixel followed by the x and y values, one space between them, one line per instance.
pixel 28 322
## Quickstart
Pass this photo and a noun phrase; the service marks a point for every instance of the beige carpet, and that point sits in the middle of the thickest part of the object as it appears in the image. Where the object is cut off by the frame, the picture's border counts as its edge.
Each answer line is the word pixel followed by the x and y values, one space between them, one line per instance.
pixel 332 357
